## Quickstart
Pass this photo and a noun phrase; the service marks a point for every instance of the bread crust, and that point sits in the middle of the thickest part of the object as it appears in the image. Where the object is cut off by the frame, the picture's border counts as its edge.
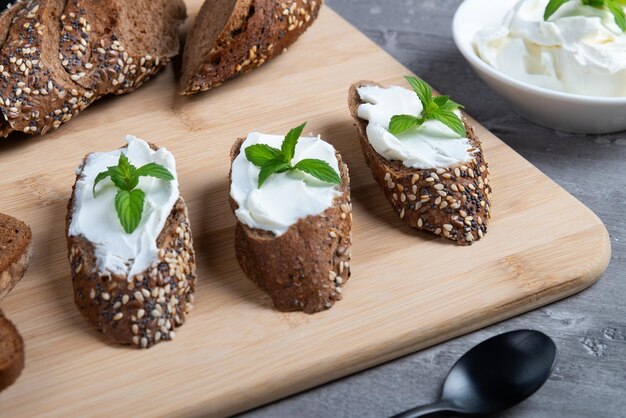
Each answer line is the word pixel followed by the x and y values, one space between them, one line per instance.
pixel 256 32
pixel 107 60
pixel 147 308
pixel 16 249
pixel 306 268
pixel 61 55
pixel 451 202
pixel 11 353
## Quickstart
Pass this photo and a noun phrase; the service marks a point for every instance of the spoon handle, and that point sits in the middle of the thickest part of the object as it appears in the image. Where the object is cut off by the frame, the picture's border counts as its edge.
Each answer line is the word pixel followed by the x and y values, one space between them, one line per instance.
pixel 425 410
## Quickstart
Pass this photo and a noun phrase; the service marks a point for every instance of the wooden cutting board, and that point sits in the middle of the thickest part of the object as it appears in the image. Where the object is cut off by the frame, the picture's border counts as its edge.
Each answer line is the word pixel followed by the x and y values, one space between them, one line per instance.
pixel 408 290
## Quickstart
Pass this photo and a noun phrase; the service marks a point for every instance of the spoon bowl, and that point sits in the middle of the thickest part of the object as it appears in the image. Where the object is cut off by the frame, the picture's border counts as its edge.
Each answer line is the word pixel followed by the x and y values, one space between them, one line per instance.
pixel 495 375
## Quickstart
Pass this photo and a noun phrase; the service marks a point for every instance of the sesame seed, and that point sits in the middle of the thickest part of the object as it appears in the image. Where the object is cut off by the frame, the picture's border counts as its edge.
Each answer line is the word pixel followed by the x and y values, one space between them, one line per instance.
pixel 118 316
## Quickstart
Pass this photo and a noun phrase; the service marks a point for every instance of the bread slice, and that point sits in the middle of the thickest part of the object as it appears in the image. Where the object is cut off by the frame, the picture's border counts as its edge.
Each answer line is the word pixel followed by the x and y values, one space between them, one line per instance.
pixel 16 250
pixel 306 268
pixel 231 37
pixel 113 47
pixel 149 308
pixel 61 55
pixel 452 202
pixel 11 353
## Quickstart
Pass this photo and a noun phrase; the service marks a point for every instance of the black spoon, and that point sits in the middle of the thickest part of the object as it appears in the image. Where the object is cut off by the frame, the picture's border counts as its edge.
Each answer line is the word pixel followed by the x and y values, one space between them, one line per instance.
pixel 495 375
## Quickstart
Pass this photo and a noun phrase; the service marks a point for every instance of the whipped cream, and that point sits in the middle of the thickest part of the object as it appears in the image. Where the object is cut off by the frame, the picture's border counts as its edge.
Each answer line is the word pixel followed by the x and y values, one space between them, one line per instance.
pixel 580 50
pixel 284 198
pixel 431 145
pixel 96 219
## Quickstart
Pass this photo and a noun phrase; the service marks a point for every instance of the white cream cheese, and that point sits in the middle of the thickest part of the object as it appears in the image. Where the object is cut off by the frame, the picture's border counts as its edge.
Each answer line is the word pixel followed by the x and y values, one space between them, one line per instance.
pixel 431 145
pixel 284 198
pixel 580 50
pixel 96 219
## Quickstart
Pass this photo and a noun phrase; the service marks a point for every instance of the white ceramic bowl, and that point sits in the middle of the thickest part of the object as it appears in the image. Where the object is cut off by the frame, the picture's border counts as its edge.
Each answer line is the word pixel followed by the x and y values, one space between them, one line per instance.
pixel 553 109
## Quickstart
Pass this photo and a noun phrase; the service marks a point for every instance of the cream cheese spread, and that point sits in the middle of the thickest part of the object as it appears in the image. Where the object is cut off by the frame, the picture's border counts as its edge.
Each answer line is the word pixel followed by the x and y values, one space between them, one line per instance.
pixel 96 219
pixel 431 145
pixel 579 50
pixel 284 198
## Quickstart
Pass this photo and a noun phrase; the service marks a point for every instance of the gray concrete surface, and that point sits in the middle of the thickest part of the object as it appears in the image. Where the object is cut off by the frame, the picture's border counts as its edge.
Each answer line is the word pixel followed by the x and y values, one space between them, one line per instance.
pixel 589 328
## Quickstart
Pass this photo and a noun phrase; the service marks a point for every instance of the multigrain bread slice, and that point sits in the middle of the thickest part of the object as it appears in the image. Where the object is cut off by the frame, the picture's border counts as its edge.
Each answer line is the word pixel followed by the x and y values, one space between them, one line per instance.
pixel 16 250
pixel 452 202
pixel 11 353
pixel 149 308
pixel 231 37
pixel 61 55
pixel 306 268
pixel 113 47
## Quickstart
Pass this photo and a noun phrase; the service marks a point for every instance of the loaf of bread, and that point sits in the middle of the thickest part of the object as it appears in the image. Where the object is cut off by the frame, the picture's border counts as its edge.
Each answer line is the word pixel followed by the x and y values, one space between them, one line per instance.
pixel 16 250
pixel 58 56
pixel 231 37
pixel 306 268
pixel 451 202
pixel 148 307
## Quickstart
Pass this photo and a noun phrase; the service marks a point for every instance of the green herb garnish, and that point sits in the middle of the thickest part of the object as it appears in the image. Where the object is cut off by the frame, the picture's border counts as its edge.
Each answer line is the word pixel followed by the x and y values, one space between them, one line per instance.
pixel 129 201
pixel 439 108
pixel 614 6
pixel 272 160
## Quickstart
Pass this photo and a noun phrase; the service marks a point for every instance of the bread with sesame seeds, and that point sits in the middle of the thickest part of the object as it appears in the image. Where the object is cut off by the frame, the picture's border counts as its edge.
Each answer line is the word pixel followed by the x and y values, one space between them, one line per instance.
pixel 113 47
pixel 61 55
pixel 232 37
pixel 148 307
pixel 305 268
pixel 39 94
pixel 16 250
pixel 11 353
pixel 452 202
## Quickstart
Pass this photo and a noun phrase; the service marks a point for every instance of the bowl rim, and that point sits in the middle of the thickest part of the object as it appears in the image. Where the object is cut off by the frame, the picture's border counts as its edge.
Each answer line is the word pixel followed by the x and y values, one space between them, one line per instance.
pixel 471 56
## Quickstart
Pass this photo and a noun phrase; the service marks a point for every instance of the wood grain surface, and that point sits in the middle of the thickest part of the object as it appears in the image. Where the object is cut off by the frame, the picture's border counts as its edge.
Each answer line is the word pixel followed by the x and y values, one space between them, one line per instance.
pixel 408 291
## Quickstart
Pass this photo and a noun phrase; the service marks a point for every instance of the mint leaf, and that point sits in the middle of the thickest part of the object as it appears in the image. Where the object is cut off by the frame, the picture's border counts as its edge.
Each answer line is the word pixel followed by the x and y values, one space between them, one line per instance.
pixel 320 170
pixel 271 167
pixel 129 207
pixel 618 14
pixel 154 170
pixel 129 201
pixel 422 89
pixel 261 154
pixel 289 144
pixel 99 178
pixel 552 7
pixel 451 120
pixel 402 123
pixel 273 161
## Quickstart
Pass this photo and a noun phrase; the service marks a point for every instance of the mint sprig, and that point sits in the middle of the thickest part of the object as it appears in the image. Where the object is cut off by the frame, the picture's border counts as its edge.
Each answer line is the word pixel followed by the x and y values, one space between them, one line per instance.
pixel 273 161
pixel 614 6
pixel 439 108
pixel 129 201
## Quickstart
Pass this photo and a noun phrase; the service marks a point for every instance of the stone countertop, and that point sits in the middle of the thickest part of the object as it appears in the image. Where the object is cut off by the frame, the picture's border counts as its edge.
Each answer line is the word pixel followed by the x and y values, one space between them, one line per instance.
pixel 589 328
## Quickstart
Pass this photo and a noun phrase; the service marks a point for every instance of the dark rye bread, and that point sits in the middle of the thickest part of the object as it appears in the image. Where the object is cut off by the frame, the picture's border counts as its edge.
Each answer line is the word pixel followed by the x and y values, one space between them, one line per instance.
pixel 452 202
pixel 39 94
pixel 231 37
pixel 306 268
pixel 150 307
pixel 6 18
pixel 16 250
pixel 11 353
pixel 61 55
pixel 113 47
